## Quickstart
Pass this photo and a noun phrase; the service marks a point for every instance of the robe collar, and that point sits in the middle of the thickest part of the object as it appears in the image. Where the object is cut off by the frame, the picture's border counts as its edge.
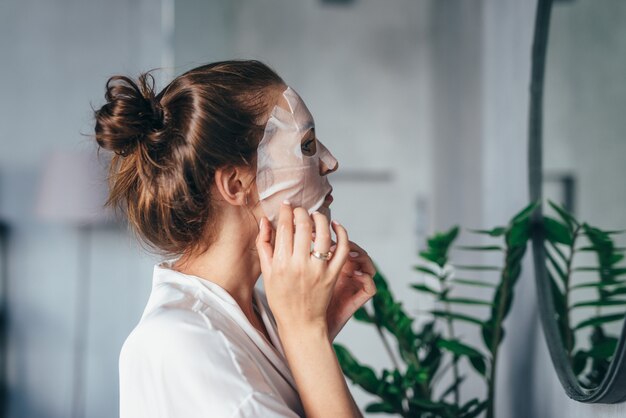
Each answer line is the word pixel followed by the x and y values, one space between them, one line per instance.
pixel 212 292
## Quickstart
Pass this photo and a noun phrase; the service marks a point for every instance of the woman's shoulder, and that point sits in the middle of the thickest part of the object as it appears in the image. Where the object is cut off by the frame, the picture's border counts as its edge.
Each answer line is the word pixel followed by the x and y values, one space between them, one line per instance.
pixel 180 330
pixel 174 360
pixel 171 330
pixel 187 355
pixel 176 345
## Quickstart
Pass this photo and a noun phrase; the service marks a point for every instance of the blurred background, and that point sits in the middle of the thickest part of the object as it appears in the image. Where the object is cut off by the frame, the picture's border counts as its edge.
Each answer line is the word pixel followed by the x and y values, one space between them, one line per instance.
pixel 423 102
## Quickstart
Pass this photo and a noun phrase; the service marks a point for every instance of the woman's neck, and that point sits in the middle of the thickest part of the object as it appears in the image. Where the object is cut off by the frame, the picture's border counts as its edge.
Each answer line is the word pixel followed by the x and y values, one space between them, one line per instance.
pixel 232 262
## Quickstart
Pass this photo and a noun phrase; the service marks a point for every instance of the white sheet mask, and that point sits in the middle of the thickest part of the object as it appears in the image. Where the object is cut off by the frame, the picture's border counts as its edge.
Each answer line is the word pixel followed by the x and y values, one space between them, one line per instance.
pixel 283 171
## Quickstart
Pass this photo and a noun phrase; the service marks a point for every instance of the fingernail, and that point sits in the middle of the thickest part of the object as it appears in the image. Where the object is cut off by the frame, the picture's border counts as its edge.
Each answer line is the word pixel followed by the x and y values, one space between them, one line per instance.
pixel 333 248
pixel 335 222
pixel 261 223
pixel 316 213
pixel 358 272
pixel 354 254
pixel 286 202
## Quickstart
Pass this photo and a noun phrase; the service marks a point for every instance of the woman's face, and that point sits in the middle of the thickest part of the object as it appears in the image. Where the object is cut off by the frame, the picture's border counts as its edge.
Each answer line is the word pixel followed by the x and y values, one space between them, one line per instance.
pixel 292 163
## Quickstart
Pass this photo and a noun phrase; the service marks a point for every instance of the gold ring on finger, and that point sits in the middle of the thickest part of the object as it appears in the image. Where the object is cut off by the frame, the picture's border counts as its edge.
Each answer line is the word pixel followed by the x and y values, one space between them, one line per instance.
pixel 322 256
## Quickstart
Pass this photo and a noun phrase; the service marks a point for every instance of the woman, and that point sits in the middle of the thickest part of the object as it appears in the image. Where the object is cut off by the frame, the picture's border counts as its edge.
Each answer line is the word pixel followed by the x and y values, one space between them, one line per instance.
pixel 222 175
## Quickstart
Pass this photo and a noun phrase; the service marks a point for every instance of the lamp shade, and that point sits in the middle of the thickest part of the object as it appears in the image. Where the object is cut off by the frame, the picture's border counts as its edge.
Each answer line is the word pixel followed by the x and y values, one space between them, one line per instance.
pixel 73 189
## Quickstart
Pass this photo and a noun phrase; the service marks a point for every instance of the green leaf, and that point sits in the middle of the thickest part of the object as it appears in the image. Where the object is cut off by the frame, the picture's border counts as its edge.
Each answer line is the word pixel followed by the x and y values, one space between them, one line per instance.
pixel 598 284
pixel 383 305
pixel 470 282
pixel 518 234
pixel 385 407
pixel 604 349
pixel 515 254
pixel 525 213
pixel 423 288
pixel 587 268
pixel 457 316
pixel 479 247
pixel 434 257
pixel 616 258
pixel 594 248
pixel 487 332
pixel 556 266
pixel 595 234
pixel 426 270
pixel 495 232
pixel 608 272
pixel 618 291
pixel 362 315
pixel 579 362
pixel 379 280
pixel 359 374
pixel 458 348
pixel 557 296
pixel 478 363
pixel 599 320
pixel 556 231
pixel 427 405
pixel 566 216
pixel 442 240
pixel 477 267
pixel 438 246
pixel 467 301
pixel 557 250
pixel 608 302
pixel 390 315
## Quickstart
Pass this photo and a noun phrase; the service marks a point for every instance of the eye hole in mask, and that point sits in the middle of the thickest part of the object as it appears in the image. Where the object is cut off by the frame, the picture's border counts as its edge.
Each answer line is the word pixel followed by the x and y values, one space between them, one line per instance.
pixel 309 144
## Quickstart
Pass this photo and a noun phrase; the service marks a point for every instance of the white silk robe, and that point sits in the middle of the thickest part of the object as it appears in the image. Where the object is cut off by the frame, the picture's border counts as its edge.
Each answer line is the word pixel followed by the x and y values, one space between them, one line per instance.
pixel 195 354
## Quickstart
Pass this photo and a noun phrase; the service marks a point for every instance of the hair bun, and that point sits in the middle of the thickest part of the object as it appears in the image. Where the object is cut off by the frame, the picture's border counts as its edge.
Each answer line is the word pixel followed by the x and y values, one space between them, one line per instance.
pixel 132 115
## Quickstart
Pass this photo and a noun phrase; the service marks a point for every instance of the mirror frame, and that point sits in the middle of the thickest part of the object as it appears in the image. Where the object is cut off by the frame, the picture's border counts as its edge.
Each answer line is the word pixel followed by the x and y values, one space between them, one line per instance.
pixel 612 389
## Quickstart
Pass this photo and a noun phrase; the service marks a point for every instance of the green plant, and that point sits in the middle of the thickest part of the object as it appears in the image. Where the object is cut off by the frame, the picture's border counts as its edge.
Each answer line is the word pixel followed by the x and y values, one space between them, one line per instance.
pixel 433 349
pixel 562 244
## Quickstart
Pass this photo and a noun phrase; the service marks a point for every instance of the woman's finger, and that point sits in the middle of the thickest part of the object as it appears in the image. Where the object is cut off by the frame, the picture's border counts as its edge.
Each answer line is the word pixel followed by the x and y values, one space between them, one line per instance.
pixel 341 252
pixel 322 233
pixel 369 289
pixel 358 260
pixel 368 267
pixel 368 285
pixel 355 247
pixel 264 247
pixel 363 263
pixel 304 226
pixel 284 232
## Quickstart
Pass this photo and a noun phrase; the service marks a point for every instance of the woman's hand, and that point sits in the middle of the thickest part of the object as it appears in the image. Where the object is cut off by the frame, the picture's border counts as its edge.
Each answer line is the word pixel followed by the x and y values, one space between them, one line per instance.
pixel 354 287
pixel 299 286
pixel 311 300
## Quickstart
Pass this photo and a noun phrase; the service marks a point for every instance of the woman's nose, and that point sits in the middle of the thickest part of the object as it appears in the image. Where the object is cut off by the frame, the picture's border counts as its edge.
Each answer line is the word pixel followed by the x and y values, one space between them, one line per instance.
pixel 324 169
pixel 328 162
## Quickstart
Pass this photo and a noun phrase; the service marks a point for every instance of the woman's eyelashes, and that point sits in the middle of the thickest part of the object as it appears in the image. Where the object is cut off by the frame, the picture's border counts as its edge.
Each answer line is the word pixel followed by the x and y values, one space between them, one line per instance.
pixel 308 147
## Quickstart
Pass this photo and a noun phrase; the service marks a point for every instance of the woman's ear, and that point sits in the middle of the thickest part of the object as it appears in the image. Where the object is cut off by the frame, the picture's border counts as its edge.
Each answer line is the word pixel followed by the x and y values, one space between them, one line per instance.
pixel 232 184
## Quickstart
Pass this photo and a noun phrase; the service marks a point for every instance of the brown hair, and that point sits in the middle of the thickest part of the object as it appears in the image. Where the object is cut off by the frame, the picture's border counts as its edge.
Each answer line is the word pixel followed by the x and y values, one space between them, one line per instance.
pixel 168 146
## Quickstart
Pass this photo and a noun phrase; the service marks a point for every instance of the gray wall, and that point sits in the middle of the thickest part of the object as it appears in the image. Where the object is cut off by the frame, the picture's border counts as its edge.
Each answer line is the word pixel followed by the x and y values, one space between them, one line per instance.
pixel 506 42
pixel 56 58
pixel 428 99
